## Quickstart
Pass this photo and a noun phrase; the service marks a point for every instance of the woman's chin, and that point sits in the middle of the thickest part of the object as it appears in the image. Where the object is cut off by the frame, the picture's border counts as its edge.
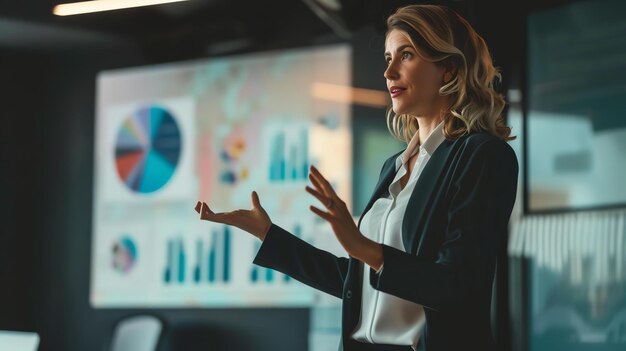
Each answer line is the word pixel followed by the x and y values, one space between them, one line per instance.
pixel 398 110
pixel 403 110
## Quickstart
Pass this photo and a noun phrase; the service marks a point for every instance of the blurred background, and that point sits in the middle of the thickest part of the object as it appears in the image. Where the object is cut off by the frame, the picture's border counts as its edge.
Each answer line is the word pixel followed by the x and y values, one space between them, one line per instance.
pixel 116 122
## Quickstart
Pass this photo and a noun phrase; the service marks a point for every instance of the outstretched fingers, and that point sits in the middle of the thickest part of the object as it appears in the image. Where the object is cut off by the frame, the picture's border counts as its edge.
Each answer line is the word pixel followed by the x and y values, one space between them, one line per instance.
pixel 208 215
pixel 327 216
pixel 319 179
pixel 255 199
pixel 317 194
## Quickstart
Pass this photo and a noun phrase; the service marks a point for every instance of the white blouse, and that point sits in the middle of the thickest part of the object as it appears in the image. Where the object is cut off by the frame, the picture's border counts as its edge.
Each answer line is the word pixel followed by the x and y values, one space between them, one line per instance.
pixel 385 318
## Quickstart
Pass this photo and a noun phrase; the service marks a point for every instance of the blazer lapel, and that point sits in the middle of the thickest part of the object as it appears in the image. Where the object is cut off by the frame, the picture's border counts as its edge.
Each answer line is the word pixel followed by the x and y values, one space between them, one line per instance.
pixel 422 193
pixel 355 267
pixel 386 177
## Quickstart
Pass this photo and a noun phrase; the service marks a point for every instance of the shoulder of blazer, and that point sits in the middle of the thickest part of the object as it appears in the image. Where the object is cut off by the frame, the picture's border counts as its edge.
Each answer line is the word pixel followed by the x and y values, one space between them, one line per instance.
pixel 478 140
pixel 470 143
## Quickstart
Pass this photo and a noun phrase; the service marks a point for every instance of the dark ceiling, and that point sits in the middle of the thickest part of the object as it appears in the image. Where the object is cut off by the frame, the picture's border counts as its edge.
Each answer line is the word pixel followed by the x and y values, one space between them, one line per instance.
pixel 204 26
pixel 218 26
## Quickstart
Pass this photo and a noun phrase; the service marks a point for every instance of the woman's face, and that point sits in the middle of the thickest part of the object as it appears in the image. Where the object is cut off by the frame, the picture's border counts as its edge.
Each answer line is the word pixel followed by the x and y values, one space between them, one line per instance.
pixel 418 80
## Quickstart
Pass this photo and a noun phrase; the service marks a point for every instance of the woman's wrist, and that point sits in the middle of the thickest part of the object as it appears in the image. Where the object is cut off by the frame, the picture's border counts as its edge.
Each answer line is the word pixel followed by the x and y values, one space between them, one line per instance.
pixel 370 253
pixel 263 233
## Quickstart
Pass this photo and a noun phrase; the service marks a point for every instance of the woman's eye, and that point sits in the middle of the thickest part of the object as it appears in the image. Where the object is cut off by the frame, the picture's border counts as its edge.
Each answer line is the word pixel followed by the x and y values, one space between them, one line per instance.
pixel 405 54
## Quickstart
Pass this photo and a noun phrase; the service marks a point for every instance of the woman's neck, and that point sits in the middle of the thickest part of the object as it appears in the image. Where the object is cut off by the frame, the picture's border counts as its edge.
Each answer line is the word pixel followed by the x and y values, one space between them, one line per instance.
pixel 426 126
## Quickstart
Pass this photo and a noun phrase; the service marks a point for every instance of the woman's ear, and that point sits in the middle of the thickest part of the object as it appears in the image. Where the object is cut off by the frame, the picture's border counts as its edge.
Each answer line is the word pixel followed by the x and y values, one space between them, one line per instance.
pixel 449 71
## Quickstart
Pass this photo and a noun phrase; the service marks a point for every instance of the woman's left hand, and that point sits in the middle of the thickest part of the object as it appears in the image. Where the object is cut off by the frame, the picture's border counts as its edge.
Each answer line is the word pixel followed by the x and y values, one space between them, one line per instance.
pixel 338 214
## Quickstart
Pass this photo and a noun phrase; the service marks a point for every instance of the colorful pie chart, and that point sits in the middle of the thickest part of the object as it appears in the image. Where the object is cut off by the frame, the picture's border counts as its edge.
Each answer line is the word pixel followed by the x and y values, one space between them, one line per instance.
pixel 147 149
pixel 124 254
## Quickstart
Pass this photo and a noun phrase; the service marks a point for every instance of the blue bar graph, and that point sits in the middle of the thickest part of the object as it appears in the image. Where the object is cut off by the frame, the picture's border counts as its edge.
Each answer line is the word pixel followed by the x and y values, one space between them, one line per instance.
pixel 197 271
pixel 226 253
pixel 176 259
pixel 219 247
pixel 212 264
pixel 289 161
pixel 277 157
pixel 305 153
pixel 181 261
pixel 269 275
pixel 293 161
pixel 167 276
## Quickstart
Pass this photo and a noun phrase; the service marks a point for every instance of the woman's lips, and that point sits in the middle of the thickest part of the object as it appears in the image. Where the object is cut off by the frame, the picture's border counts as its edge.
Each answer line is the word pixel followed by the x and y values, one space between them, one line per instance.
pixel 396 90
pixel 397 93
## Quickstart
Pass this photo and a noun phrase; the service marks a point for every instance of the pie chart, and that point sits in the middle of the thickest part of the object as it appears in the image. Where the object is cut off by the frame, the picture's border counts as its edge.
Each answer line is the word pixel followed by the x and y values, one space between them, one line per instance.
pixel 124 254
pixel 147 149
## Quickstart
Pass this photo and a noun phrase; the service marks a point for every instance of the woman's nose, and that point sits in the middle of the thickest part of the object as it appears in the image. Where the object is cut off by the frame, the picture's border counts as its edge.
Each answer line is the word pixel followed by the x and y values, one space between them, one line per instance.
pixel 391 73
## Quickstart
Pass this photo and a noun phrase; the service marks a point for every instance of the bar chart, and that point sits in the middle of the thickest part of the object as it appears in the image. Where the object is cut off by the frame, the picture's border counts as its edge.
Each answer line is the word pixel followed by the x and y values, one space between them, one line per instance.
pixel 289 155
pixel 211 263
pixel 176 258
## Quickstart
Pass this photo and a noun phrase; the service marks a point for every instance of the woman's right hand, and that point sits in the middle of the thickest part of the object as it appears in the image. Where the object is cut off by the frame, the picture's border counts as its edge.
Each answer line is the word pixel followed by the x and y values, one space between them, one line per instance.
pixel 255 221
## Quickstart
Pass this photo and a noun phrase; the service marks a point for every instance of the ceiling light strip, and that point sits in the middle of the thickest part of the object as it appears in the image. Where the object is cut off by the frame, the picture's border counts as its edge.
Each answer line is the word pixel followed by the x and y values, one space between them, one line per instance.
pixel 77 8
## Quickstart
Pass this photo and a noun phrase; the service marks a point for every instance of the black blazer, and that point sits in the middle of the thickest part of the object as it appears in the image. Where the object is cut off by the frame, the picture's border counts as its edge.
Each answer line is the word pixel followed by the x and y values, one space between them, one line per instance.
pixel 457 214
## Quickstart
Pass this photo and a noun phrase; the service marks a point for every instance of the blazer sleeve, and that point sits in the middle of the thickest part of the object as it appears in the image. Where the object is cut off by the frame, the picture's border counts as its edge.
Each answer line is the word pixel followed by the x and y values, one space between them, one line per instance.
pixel 286 253
pixel 479 201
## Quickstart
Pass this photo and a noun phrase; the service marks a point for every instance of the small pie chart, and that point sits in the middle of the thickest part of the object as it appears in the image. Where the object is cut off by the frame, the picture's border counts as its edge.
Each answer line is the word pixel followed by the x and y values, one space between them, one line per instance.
pixel 147 149
pixel 124 254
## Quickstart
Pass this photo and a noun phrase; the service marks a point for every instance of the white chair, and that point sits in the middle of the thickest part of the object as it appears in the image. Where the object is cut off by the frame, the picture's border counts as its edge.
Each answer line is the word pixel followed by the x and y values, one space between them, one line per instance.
pixel 137 333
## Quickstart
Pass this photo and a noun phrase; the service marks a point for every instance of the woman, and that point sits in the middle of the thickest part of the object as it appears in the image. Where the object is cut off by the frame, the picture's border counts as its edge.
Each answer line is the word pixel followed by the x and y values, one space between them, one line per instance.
pixel 422 257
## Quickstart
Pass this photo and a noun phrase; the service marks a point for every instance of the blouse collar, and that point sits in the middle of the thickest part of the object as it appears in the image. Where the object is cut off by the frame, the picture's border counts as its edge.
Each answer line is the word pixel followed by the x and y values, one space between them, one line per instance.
pixel 433 140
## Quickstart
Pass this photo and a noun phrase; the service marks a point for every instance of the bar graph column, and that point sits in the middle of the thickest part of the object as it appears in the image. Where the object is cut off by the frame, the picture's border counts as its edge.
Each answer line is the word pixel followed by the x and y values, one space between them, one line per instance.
pixel 176 259
pixel 219 255
pixel 289 157
pixel 197 271
pixel 212 259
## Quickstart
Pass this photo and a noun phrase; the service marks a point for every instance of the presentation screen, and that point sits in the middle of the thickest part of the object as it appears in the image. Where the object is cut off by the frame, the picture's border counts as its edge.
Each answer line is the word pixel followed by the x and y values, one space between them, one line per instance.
pixel 214 130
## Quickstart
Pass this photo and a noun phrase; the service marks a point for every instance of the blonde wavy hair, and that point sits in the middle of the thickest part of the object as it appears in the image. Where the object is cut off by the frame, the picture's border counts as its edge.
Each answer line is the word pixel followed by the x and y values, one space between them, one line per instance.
pixel 443 37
